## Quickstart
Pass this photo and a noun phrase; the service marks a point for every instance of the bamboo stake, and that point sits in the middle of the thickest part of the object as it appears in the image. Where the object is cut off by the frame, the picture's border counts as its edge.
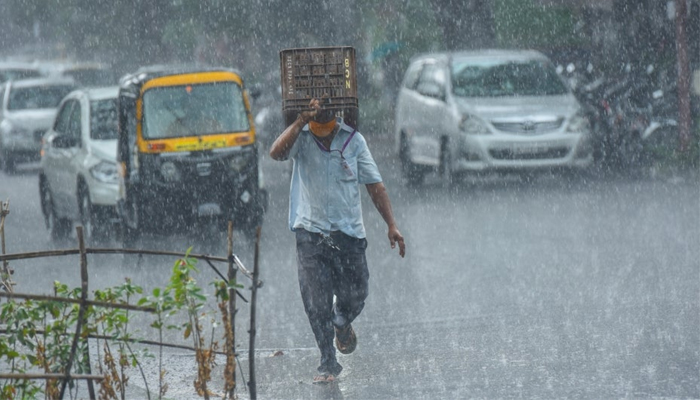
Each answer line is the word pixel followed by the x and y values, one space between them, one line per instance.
pixel 93 303
pixel 251 332
pixel 51 376
pixel 69 252
pixel 38 254
pixel 131 340
pixel 81 310
pixel 84 271
pixel 231 310
pixel 153 253
pixel 6 271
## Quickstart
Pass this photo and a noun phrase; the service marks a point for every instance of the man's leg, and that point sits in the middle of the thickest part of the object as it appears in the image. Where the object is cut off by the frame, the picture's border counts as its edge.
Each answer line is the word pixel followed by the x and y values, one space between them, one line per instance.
pixel 350 279
pixel 316 287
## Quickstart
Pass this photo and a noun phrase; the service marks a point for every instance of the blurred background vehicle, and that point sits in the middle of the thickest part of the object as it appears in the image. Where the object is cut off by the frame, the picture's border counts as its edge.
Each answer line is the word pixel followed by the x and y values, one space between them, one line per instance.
pixel 78 171
pixel 489 110
pixel 87 74
pixel 267 108
pixel 27 111
pixel 14 70
pixel 633 113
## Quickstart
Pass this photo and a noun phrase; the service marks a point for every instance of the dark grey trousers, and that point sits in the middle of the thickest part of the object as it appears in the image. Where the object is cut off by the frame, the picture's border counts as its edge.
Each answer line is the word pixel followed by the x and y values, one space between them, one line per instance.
pixel 331 267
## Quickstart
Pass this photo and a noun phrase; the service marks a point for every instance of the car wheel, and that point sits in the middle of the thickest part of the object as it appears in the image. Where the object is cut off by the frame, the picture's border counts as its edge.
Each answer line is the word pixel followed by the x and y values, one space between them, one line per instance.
pixel 43 198
pixel 93 226
pixel 7 163
pixel 59 228
pixel 130 236
pixel 446 172
pixel 414 174
pixel 251 219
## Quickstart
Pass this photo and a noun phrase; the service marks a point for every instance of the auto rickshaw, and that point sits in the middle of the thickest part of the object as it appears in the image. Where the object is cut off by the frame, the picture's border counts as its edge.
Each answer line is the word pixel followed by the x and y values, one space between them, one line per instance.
pixel 187 151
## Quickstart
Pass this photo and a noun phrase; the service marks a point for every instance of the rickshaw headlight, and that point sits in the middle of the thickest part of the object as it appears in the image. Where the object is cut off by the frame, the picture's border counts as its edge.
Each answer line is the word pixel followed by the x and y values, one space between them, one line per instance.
pixel 239 162
pixel 169 171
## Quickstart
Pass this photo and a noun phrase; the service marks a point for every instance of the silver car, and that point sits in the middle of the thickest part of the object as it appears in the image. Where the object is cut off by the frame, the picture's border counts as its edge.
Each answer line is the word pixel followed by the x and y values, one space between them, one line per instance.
pixel 489 110
pixel 27 110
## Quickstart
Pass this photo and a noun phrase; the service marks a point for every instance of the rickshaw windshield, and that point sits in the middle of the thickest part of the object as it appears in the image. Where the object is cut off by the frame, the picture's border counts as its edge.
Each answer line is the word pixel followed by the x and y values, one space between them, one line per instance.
pixel 194 110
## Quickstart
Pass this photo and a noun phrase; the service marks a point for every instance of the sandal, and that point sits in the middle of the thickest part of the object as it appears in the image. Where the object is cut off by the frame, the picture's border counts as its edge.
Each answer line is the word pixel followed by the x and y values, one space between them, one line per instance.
pixel 324 378
pixel 345 339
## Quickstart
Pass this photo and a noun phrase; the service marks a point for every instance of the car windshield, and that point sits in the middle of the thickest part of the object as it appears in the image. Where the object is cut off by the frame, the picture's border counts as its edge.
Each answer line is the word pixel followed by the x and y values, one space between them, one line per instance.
pixel 36 97
pixel 495 78
pixel 103 119
pixel 194 110
pixel 18 73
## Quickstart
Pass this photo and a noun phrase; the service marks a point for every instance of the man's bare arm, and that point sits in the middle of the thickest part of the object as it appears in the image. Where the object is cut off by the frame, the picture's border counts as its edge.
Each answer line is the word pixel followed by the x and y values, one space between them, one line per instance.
pixel 282 146
pixel 380 198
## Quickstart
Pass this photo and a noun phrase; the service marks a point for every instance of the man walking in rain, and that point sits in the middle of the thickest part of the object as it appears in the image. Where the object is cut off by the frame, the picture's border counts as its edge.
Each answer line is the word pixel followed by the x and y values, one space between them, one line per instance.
pixel 331 160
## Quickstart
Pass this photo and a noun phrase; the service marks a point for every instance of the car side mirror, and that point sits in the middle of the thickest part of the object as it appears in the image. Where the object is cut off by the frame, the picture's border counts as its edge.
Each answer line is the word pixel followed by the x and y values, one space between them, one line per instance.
pixel 64 142
pixel 431 89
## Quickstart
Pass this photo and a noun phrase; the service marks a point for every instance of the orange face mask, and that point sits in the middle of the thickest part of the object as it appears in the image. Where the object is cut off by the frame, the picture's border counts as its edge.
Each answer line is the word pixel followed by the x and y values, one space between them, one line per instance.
pixel 322 129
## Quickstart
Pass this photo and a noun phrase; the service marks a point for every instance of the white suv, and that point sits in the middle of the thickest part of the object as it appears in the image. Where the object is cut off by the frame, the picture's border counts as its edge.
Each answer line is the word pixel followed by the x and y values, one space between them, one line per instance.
pixel 78 176
pixel 488 110
pixel 27 110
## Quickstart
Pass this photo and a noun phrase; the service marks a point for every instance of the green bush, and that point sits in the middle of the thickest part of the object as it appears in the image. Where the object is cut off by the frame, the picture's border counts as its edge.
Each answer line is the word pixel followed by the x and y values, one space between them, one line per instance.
pixel 37 335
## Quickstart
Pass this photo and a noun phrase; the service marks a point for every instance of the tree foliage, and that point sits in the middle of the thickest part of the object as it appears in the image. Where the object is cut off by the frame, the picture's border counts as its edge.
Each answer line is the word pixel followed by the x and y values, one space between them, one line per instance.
pixel 249 35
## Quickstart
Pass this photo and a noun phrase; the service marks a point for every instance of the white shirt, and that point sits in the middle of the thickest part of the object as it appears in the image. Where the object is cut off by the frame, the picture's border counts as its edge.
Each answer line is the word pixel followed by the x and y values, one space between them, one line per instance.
pixel 325 185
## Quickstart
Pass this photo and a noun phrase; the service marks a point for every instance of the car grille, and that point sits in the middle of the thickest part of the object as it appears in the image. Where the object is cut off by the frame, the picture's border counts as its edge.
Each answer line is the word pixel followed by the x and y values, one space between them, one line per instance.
pixel 544 154
pixel 528 127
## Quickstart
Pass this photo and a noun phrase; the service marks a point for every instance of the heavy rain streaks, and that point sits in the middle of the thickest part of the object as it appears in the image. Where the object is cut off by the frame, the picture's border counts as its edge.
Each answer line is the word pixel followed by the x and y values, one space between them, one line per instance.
pixel 523 277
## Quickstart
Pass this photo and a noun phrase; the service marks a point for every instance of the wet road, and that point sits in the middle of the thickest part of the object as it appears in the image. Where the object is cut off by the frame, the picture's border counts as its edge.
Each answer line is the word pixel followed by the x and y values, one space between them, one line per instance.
pixel 511 288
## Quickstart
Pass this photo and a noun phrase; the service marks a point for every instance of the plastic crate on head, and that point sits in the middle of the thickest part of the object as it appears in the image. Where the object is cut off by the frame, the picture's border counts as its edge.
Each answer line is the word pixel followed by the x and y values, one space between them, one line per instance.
pixel 319 72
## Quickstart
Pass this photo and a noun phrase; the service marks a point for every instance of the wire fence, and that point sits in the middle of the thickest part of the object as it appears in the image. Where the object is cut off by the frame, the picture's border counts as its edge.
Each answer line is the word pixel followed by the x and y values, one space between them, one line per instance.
pixel 81 335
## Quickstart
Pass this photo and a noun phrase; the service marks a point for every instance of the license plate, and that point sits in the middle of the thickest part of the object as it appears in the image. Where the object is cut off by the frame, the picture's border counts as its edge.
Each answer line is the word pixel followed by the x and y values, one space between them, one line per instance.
pixel 534 148
pixel 528 150
pixel 204 169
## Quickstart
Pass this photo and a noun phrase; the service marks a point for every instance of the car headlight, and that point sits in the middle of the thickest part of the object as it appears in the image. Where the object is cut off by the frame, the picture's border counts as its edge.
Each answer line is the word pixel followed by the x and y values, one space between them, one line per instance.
pixel 473 126
pixel 5 126
pixel 170 172
pixel 578 124
pixel 105 172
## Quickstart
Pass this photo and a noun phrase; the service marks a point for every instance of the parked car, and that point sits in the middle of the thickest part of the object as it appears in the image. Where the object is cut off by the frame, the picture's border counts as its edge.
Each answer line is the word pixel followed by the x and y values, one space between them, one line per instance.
pixel 489 110
pixel 78 175
pixel 28 108
pixel 14 70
